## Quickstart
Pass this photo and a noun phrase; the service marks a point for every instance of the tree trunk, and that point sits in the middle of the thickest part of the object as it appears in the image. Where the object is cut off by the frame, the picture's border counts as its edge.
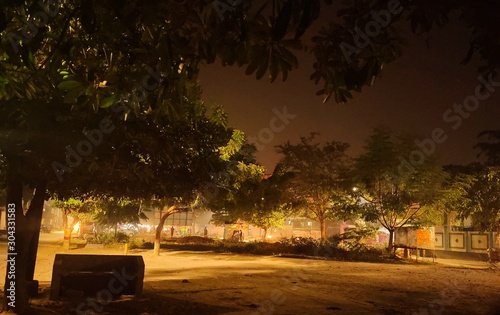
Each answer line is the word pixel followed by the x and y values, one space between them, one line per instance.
pixel 34 216
pixel 391 240
pixel 497 241
pixel 159 229
pixel 322 226
pixel 19 239
pixel 81 231
pixel 64 219
pixel 68 231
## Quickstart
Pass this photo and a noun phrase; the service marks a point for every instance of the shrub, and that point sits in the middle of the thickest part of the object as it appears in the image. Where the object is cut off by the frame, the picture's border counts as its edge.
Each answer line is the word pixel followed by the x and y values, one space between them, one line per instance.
pixel 109 238
pixel 121 238
pixel 147 245
pixel 299 245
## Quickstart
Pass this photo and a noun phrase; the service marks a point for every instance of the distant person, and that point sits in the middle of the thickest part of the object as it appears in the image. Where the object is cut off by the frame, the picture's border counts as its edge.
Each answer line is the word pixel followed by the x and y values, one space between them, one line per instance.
pixel 172 230
pixel 240 234
pixel 205 232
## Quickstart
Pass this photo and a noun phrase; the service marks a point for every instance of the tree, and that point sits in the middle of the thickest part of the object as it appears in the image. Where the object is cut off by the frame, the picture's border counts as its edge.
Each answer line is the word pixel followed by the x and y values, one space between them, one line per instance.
pixel 68 207
pixel 110 212
pixel 168 211
pixel 275 204
pixel 396 199
pixel 320 182
pixel 234 193
pixel 476 188
pixel 140 158
pixel 477 185
pixel 485 197
pixel 258 199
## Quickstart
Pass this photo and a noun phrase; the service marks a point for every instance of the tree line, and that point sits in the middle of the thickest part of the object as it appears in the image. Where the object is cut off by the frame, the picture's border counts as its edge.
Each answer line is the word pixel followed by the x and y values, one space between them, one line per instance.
pixel 321 181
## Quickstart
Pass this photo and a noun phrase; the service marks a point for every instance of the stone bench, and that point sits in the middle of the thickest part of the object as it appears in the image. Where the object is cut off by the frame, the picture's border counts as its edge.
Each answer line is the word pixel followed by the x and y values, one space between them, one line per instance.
pixel 419 251
pixel 99 276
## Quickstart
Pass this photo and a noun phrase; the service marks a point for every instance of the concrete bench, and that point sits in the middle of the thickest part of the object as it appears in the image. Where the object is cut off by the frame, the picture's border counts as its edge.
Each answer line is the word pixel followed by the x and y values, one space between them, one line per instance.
pixel 419 251
pixel 79 276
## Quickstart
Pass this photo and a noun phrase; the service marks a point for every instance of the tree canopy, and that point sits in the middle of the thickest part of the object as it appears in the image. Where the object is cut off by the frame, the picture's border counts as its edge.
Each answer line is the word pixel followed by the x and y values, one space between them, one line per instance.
pixel 391 192
pixel 320 182
pixel 89 42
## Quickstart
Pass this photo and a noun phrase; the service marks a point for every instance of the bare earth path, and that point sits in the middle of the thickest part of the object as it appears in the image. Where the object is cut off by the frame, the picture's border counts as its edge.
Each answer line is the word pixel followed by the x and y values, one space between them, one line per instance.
pixel 244 284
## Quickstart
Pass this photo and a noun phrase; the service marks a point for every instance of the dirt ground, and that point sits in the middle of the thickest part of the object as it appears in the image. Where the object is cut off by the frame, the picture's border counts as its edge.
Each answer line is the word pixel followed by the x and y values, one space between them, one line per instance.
pixel 181 282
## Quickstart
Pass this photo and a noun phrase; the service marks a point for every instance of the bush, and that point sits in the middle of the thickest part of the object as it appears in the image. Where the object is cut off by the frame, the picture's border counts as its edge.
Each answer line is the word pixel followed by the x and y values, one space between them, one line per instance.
pixel 304 246
pixel 122 237
pixel 299 245
pixel 194 240
pixel 109 238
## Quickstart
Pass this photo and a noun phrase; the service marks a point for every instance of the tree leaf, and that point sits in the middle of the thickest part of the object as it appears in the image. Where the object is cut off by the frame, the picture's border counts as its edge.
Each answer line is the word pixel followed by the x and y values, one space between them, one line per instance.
pixel 281 24
pixel 108 101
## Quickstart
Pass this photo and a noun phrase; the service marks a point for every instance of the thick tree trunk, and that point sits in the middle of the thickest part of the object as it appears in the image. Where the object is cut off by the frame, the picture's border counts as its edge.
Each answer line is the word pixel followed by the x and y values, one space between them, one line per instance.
pixel 497 241
pixel 19 239
pixel 265 233
pixel 81 232
pixel 322 225
pixel 391 240
pixel 34 216
pixel 64 219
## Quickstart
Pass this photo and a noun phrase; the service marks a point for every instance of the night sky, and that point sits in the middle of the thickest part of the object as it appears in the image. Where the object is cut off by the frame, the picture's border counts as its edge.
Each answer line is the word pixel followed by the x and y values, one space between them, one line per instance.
pixel 412 96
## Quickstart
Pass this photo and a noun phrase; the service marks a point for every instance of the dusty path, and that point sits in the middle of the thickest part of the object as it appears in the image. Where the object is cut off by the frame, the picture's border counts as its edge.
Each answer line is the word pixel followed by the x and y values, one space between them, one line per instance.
pixel 244 284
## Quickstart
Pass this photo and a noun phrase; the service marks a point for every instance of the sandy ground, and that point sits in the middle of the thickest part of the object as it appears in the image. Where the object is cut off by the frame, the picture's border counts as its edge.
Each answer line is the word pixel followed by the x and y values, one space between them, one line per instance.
pixel 181 282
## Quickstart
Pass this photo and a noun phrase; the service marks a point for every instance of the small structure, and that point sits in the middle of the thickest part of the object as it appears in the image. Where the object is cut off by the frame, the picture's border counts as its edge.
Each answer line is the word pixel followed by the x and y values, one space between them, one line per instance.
pixel 410 238
pixel 100 276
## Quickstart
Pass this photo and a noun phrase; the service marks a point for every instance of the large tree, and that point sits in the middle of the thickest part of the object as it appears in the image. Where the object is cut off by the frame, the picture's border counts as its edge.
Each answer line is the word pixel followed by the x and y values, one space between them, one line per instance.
pixel 397 184
pixel 262 200
pixel 320 183
pixel 475 191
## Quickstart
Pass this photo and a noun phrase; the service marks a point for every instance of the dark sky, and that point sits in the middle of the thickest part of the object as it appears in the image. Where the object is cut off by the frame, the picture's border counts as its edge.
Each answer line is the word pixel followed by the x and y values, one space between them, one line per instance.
pixel 412 96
